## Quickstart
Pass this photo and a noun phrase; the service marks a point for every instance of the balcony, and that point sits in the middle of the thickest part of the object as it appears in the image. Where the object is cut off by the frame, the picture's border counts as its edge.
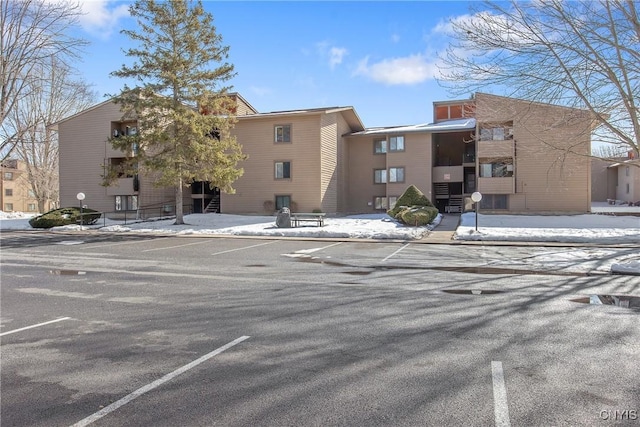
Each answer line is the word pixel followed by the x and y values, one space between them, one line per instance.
pixel 121 187
pixel 497 185
pixel 447 174
pixel 496 148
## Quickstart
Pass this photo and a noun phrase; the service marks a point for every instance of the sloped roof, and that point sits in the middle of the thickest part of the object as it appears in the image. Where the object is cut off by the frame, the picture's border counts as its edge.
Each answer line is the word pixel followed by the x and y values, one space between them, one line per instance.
pixel 444 126
pixel 349 114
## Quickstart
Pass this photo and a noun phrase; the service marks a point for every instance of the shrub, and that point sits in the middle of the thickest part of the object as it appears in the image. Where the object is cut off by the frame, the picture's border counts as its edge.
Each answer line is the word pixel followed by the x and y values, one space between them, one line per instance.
pixel 65 216
pixel 418 216
pixel 411 197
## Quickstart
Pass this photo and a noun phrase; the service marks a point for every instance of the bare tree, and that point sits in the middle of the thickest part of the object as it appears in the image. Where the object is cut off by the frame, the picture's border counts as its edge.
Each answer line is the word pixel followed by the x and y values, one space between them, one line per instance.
pixel 31 33
pixel 48 98
pixel 582 54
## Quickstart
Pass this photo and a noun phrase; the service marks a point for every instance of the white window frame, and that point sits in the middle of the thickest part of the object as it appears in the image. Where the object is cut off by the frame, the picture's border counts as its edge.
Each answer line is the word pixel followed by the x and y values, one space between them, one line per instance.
pixel 380 203
pixel 380 146
pixel 126 203
pixel 285 137
pixel 396 143
pixel 394 172
pixel 279 169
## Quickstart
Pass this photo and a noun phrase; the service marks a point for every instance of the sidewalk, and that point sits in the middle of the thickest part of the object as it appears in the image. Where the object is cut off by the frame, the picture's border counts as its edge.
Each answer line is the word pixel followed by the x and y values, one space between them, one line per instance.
pixel 444 232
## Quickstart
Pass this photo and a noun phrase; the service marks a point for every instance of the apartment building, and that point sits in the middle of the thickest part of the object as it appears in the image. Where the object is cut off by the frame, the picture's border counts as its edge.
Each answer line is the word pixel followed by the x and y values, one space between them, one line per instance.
pixel 522 156
pixel 16 194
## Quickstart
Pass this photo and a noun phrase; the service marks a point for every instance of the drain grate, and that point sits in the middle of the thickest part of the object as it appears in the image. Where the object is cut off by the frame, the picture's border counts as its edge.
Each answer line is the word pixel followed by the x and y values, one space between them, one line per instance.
pixel 624 301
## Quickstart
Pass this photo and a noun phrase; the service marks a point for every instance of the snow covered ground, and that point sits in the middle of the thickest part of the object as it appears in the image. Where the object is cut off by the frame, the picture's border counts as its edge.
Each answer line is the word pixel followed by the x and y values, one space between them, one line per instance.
pixel 575 229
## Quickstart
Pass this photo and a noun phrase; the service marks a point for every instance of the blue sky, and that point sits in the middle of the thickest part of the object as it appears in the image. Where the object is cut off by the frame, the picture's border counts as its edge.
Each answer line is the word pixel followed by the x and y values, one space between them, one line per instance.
pixel 379 57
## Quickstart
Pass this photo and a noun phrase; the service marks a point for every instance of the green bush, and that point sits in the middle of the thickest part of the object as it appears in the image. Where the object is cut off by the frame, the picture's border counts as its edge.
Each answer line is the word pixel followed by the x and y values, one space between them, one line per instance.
pixel 65 216
pixel 418 215
pixel 411 197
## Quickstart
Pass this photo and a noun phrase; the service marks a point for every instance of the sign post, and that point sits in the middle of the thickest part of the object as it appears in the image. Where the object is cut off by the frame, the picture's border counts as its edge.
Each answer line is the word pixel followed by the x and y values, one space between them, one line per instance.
pixel 80 197
pixel 476 197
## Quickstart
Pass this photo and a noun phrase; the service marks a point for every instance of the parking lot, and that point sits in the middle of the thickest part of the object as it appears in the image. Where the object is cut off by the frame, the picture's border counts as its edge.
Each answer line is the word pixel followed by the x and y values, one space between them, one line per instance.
pixel 128 330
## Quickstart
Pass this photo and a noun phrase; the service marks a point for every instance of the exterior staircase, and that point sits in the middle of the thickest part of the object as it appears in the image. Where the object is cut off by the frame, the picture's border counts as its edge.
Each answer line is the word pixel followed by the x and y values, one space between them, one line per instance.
pixel 213 206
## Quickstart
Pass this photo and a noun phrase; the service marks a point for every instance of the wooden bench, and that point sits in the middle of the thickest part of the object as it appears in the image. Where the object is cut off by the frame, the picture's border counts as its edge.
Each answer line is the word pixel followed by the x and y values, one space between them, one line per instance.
pixel 297 218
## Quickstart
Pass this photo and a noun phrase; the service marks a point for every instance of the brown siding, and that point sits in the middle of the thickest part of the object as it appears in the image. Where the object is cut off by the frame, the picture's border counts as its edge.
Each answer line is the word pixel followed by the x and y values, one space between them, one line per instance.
pixel 416 160
pixel 552 144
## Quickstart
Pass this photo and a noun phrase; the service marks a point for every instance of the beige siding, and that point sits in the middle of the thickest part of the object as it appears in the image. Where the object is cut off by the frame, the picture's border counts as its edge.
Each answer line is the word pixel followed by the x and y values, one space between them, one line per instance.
pixel 343 161
pixel 258 184
pixel 552 144
pixel 628 189
pixel 83 152
pixel 496 185
pixel 416 160
pixel 495 149
pixel 329 162
pixel 84 149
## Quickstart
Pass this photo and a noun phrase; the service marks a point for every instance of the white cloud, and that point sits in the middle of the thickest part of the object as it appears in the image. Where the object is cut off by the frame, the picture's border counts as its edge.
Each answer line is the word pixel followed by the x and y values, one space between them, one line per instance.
pixel 407 70
pixel 335 56
pixel 395 38
pixel 100 19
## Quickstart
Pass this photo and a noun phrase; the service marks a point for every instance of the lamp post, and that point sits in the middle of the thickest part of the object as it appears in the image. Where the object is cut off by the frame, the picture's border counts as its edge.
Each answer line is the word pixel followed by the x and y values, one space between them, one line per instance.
pixel 476 197
pixel 80 197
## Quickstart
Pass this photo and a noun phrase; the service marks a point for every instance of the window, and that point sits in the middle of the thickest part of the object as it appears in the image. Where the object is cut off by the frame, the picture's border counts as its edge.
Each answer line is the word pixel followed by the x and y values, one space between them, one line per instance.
pixel 380 146
pixel 126 203
pixel 380 203
pixel 380 176
pixel 496 168
pixel 8 191
pixel 31 207
pixel 392 201
pixel 283 170
pixel 396 143
pixel 396 174
pixel 626 170
pixel 283 202
pixel 8 176
pixel 283 133
pixel 493 201
pixel 8 207
pixel 496 133
pixel 32 194
pixel 628 188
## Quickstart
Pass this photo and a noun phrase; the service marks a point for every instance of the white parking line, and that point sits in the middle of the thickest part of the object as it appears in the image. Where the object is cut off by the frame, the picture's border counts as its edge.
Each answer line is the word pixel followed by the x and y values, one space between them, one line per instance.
pixel 246 247
pixel 310 251
pixel 34 326
pixel 396 252
pixel 176 246
pixel 142 390
pixel 500 407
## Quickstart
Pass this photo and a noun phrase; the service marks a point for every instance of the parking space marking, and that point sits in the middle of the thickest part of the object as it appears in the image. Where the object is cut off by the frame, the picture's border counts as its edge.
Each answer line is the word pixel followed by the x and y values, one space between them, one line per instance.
pixel 396 252
pixel 246 247
pixel 123 243
pixel 34 326
pixel 176 246
pixel 142 390
pixel 500 407
pixel 310 251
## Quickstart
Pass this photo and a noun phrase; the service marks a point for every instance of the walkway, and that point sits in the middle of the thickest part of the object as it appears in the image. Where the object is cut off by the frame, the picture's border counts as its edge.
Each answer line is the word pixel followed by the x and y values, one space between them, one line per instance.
pixel 443 233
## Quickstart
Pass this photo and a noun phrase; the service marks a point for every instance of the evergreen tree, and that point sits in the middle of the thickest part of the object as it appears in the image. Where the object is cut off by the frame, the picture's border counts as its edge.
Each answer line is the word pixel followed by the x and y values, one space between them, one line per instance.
pixel 180 101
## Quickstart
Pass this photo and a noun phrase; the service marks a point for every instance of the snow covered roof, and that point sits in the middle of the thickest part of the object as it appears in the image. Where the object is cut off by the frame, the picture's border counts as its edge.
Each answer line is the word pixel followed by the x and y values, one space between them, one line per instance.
pixel 444 126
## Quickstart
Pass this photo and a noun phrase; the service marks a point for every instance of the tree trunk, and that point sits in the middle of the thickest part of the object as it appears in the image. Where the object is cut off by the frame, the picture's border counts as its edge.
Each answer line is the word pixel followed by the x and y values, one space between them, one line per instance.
pixel 179 213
